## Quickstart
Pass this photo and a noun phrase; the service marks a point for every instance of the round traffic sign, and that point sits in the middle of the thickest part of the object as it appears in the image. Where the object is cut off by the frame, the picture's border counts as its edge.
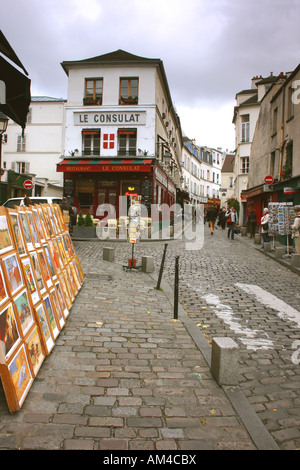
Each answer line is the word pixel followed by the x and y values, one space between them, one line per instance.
pixel 28 184
pixel 269 179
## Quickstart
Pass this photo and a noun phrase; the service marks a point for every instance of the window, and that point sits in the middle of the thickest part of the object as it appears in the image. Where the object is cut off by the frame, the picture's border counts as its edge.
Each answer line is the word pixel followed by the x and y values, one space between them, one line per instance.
pixel 244 165
pixel 290 112
pixel 93 91
pixel 129 90
pixel 245 128
pixel 91 142
pixel 21 143
pixel 127 142
pixel 275 120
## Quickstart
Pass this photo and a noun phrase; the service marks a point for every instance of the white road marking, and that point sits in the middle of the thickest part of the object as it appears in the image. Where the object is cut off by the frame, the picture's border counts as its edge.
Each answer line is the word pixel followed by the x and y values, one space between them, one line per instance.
pixel 285 311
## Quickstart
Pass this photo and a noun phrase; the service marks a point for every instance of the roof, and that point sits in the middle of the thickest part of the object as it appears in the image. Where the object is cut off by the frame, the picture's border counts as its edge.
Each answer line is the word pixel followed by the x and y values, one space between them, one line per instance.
pixel 228 164
pixel 45 98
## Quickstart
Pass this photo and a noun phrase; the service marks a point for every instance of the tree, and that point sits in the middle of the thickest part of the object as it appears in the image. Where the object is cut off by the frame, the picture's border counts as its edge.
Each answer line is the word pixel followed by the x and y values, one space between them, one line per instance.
pixel 88 222
pixel 80 220
pixel 233 203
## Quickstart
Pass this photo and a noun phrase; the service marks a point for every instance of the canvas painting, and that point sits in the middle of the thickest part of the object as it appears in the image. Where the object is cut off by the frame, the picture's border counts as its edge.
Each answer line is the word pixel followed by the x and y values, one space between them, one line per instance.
pixel 13 272
pixel 15 222
pixel 38 225
pixel 43 222
pixel 3 291
pixel 26 230
pixel 44 268
pixel 65 291
pixel 58 307
pixel 21 375
pixel 9 334
pixel 61 299
pixel 38 272
pixel 51 315
pixel 24 311
pixel 33 229
pixel 40 310
pixel 31 283
pixel 50 262
pixel 35 350
pixel 6 243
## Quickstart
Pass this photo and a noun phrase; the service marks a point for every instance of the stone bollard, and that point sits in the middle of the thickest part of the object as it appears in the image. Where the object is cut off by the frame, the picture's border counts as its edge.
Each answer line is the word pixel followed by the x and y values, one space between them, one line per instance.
pixel 257 239
pixel 267 247
pixel 280 251
pixel 147 264
pixel 109 254
pixel 225 361
pixel 295 260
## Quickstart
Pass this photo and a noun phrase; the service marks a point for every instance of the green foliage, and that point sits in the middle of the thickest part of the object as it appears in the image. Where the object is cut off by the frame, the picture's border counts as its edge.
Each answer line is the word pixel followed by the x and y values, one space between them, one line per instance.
pixel 88 222
pixel 234 203
pixel 80 220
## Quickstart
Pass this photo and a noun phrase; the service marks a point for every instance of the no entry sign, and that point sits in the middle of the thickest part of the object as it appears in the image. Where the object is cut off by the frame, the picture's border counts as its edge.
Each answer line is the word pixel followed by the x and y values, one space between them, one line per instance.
pixel 269 179
pixel 28 184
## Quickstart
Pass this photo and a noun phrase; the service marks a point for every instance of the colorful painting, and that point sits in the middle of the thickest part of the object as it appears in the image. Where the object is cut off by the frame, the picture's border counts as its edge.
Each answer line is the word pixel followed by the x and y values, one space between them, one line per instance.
pixel 38 225
pixel 44 268
pixel 24 311
pixel 51 316
pixel 3 291
pixel 61 299
pixel 13 272
pixel 6 243
pixel 58 307
pixel 36 355
pixel 38 272
pixel 9 334
pixel 31 283
pixel 33 229
pixel 15 222
pixel 26 230
pixel 21 375
pixel 43 222
pixel 44 326
pixel 50 262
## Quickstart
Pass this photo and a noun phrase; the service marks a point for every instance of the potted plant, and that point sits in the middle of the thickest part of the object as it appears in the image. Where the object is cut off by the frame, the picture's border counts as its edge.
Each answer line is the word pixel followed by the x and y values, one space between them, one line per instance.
pixel 84 227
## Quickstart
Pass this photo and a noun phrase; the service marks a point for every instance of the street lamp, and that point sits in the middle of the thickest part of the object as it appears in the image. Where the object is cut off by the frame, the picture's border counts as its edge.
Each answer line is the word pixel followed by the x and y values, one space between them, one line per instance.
pixel 3 127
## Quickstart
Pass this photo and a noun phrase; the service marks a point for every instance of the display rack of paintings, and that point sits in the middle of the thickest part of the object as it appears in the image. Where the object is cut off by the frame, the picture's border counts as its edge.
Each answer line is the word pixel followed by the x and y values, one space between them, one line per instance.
pixel 40 276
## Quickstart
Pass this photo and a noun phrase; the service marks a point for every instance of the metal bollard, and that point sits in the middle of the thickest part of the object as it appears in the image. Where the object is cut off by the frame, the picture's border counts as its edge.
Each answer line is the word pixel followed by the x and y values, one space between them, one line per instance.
pixel 176 288
pixel 161 267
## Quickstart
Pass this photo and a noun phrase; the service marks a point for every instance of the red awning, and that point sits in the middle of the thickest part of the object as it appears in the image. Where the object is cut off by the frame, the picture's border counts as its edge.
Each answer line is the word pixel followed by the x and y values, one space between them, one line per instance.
pixel 75 165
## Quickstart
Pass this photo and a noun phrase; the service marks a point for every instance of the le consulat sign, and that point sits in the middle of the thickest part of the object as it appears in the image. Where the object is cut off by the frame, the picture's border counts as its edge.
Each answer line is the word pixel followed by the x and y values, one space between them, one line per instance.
pixel 110 118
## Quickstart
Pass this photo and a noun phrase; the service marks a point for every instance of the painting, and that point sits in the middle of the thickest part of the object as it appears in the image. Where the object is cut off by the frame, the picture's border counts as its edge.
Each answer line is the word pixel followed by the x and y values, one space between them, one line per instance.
pixel 17 231
pixel 9 334
pixel 58 307
pixel 26 230
pixel 38 225
pixel 20 373
pixel 65 291
pixel 51 315
pixel 33 229
pixel 6 242
pixel 50 261
pixel 3 290
pixel 30 279
pixel 38 272
pixel 61 299
pixel 43 322
pixel 35 350
pixel 44 268
pixel 24 311
pixel 13 273
pixel 43 222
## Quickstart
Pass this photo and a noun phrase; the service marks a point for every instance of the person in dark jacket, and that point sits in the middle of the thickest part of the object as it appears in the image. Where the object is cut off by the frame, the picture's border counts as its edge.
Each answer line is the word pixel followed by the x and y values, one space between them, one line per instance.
pixel 211 215
pixel 251 222
pixel 65 206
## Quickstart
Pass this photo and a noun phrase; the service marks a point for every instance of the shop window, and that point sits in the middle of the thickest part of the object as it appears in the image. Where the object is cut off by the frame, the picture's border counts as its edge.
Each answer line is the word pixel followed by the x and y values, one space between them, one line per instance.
pixel 91 142
pixel 128 91
pixel 127 142
pixel 85 193
pixel 93 91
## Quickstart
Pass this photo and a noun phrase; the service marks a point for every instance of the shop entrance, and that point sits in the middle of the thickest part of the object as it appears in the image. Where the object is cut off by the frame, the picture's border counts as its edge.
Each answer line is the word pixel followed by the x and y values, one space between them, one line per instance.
pixel 108 192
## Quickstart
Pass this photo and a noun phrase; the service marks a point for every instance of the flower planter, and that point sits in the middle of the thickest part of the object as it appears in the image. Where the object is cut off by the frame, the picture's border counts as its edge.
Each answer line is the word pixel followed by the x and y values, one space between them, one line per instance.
pixel 84 232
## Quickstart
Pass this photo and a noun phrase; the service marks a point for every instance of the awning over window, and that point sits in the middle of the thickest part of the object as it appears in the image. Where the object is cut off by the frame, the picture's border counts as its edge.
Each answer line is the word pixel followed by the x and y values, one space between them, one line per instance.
pixel 104 165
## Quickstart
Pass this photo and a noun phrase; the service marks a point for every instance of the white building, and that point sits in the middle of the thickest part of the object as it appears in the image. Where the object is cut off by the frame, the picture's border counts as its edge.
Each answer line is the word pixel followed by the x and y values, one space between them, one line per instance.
pixel 36 152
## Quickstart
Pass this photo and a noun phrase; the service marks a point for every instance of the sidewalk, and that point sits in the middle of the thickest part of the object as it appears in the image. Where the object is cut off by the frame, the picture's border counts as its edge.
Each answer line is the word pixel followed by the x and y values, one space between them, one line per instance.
pixel 124 375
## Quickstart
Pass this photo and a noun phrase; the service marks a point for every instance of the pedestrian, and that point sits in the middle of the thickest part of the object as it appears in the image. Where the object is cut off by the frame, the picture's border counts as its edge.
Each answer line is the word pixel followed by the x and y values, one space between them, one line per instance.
pixel 251 221
pixel 264 222
pixel 211 216
pixel 222 219
pixel 65 206
pixel 296 230
pixel 231 217
pixel 27 201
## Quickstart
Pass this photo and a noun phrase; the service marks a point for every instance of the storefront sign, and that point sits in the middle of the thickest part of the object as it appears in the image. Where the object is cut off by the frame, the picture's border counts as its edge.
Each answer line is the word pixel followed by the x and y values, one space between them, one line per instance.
pixel 103 168
pixel 109 118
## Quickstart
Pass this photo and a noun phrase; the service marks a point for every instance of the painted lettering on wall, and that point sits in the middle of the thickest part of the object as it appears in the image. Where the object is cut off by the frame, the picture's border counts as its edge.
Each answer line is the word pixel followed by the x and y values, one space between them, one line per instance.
pixel 110 118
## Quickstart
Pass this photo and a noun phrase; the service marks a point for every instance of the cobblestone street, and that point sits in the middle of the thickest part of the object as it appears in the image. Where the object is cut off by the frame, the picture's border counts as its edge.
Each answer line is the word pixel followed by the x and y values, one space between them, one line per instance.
pixel 229 288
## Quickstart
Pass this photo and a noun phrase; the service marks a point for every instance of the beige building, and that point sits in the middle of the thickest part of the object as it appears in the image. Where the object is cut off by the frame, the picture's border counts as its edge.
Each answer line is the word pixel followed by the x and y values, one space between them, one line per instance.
pixel 227 179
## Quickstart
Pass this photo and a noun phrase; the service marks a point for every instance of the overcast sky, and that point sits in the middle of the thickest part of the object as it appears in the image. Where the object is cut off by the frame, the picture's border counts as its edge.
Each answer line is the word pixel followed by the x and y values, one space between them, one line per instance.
pixel 210 48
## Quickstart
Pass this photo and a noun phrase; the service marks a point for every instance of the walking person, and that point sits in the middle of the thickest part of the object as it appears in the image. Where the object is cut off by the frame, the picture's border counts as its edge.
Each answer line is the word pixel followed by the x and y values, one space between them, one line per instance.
pixel 296 230
pixel 211 216
pixel 251 221
pixel 222 220
pixel 231 215
pixel 264 222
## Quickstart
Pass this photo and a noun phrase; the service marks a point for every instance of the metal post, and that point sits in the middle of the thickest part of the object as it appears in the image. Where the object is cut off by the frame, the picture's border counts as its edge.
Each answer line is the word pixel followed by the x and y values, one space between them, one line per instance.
pixel 176 288
pixel 161 267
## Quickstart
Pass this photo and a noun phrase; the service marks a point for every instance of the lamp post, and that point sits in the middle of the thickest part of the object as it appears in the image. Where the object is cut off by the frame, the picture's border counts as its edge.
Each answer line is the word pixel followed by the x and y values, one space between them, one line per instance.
pixel 3 127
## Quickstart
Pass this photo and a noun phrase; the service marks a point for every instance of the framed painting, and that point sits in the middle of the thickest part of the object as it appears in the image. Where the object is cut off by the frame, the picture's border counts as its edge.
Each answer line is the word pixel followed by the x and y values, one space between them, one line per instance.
pixel 21 374
pixel 49 261
pixel 59 217
pixel 30 279
pixel 66 247
pixel 17 231
pixel 38 272
pixel 44 268
pixel 47 220
pixel 75 276
pixel 24 311
pixel 50 309
pixel 12 273
pixel 65 290
pixel 35 350
pixel 6 239
pixel 9 333
pixel 26 229
pixel 69 286
pixel 43 221
pixel 69 244
pixel 54 255
pixel 61 249
pixel 44 327
pixel 33 230
pixel 79 268
pixel 38 225
pixel 57 306
pixel 57 253
pixel 61 299
pixel 72 280
pixel 52 219
pixel 3 290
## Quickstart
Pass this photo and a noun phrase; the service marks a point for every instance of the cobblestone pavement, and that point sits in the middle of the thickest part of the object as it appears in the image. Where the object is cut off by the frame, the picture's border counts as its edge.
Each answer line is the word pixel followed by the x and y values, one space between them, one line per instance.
pixel 229 288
